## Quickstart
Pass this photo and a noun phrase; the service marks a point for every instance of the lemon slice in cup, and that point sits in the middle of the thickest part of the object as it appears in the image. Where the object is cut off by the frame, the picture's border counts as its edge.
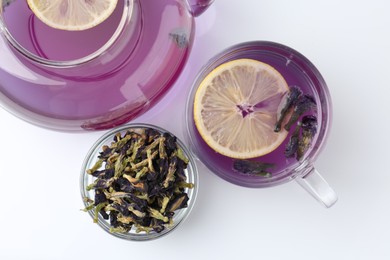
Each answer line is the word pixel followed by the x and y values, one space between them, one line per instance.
pixel 235 108
pixel 72 15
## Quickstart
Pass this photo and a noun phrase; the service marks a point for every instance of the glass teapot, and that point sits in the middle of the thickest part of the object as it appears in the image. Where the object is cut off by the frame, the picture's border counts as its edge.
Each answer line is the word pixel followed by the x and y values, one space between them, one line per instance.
pixel 98 78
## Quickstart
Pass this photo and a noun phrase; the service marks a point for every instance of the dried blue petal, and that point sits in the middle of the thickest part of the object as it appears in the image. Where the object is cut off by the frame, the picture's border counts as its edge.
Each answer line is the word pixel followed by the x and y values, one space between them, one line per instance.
pixel 101 184
pixel 310 124
pixel 100 197
pixel 309 129
pixel 179 202
pixel 287 103
pixel 292 145
pixel 98 173
pixel 158 225
pixel 97 210
pixel 170 143
pixel 252 167
pixel 170 177
pixel 122 184
pixel 154 190
pixel 151 134
pixel 304 104
pixel 114 219
pixel 121 208
pixel 163 166
pixel 181 176
pixel 105 153
pixel 105 174
pixel 104 214
pixel 140 202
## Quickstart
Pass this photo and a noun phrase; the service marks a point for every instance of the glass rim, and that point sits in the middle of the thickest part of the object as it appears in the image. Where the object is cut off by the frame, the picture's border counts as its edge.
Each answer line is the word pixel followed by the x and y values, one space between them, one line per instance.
pixel 181 215
pixel 287 174
pixel 126 16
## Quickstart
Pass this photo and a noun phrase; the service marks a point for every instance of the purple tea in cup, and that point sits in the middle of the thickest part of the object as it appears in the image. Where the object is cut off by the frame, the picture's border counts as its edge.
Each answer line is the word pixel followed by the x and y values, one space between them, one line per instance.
pixel 307 120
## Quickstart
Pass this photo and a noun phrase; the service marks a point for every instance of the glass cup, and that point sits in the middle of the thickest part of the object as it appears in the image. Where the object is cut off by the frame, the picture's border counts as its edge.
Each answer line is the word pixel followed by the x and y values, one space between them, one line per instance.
pixel 297 70
pixel 86 179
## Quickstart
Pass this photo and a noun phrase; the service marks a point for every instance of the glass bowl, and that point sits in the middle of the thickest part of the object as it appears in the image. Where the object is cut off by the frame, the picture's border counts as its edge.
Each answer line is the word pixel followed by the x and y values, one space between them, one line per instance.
pixel 180 215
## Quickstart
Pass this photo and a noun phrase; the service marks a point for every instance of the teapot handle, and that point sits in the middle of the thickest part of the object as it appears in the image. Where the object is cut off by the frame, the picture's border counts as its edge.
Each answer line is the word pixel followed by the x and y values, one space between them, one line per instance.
pixel 197 7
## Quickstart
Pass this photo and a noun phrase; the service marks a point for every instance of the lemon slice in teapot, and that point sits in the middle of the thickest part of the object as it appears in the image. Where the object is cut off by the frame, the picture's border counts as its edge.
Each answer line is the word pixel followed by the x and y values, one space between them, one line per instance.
pixel 72 15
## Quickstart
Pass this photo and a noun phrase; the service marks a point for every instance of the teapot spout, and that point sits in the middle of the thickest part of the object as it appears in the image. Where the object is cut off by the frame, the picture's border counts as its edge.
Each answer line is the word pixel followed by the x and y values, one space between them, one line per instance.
pixel 197 7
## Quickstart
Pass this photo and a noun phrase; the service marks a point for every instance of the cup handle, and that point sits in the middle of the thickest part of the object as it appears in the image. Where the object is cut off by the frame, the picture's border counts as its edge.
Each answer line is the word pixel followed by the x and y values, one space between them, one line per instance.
pixel 316 185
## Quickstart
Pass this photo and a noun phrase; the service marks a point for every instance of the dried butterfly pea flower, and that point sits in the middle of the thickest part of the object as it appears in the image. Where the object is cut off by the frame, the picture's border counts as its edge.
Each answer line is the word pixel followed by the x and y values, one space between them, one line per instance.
pixel 151 134
pixel 288 102
pixel 296 104
pixel 170 177
pixel 304 104
pixel 292 145
pixel 310 124
pixel 140 181
pixel 180 201
pixel 104 174
pixel 252 167
pixel 104 214
pixel 299 142
pixel 164 203
pixel 161 148
pixel 101 184
pixel 100 197
pixel 181 156
pixel 157 215
pixel 97 209
pixel 309 129
pixel 105 153
pixel 96 166
pixel 141 173
pixel 170 143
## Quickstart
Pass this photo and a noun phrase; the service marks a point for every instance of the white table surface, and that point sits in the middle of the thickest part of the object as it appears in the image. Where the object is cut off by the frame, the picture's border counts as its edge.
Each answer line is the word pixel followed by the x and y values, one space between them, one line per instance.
pixel 349 43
